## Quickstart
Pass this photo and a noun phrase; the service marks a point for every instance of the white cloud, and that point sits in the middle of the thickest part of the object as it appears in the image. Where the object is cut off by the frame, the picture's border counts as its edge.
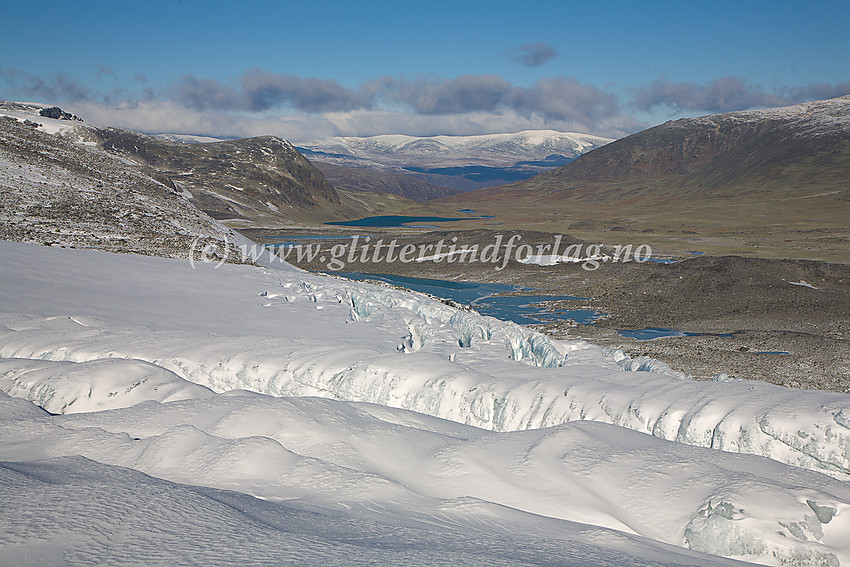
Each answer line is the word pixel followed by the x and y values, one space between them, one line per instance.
pixel 170 117
pixel 423 106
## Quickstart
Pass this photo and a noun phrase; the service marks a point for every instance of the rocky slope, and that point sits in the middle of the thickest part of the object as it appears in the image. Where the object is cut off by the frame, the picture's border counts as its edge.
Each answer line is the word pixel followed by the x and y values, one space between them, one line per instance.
pixel 55 190
pixel 259 179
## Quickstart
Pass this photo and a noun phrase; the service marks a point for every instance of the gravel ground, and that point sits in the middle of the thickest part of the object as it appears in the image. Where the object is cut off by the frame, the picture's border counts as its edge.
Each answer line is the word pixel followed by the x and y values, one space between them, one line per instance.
pixel 752 311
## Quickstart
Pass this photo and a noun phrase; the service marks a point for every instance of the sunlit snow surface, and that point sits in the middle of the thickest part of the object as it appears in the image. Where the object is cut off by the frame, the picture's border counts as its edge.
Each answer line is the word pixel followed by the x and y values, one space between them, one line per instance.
pixel 353 479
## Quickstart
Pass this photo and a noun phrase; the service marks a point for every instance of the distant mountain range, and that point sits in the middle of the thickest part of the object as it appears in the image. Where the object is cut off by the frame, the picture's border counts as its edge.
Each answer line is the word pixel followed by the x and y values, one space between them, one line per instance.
pixel 447 163
pixel 771 164
pixel 416 168
pixel 776 165
pixel 498 150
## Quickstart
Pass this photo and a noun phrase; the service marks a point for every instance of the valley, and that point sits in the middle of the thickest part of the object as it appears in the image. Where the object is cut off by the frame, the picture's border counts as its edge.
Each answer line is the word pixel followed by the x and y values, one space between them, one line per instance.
pixel 746 204
pixel 728 296
pixel 738 308
pixel 704 308
pixel 448 164
pixel 415 284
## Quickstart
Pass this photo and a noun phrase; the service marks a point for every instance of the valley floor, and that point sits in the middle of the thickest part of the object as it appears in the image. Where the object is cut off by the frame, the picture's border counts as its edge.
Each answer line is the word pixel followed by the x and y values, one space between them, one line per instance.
pixel 782 321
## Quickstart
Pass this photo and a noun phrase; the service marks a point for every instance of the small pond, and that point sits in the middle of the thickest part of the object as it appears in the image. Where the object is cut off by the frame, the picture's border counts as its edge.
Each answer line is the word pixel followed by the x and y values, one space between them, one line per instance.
pixel 387 221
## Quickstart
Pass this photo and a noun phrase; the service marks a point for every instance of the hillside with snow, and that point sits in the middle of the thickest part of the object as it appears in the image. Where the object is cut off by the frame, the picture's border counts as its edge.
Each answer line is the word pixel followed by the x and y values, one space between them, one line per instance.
pixel 460 162
pixel 58 188
pixel 445 151
pixel 300 415
pixel 789 152
pixel 252 180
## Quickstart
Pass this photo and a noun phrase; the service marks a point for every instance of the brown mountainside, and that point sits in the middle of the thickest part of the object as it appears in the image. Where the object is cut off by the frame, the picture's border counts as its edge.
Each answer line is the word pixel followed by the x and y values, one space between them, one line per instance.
pixel 397 183
pixel 255 178
pixel 780 174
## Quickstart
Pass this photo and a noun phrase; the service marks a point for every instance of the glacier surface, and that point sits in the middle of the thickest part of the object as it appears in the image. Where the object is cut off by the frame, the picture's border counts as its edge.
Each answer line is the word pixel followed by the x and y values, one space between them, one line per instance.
pixel 322 396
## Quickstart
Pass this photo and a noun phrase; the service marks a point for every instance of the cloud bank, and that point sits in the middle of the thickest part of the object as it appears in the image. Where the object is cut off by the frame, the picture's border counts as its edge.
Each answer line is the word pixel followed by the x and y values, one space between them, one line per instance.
pixel 305 109
pixel 727 94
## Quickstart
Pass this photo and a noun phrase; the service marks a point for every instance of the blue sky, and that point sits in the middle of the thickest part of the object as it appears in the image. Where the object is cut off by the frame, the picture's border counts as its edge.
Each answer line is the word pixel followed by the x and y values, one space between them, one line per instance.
pixel 307 70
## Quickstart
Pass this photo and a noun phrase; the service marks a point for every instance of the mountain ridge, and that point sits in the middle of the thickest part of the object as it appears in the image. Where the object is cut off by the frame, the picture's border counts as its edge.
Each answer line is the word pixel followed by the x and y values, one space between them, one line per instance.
pixel 498 150
pixel 692 145
pixel 245 177
pixel 261 180
pixel 462 163
pixel 788 152
pixel 773 180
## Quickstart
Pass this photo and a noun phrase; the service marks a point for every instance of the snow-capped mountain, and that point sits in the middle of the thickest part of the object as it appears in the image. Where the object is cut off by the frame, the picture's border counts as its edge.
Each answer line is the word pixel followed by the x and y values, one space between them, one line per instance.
pixel 497 150
pixel 460 162
pixel 804 142
pixel 814 118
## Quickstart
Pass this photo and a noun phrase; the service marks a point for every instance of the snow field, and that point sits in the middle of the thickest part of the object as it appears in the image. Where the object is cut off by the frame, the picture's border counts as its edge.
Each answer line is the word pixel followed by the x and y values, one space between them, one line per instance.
pixel 233 379
pixel 380 463
pixel 249 328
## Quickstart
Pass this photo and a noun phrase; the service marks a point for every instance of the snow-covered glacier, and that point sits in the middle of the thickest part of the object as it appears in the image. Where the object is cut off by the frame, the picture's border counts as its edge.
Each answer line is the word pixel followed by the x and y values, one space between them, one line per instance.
pixel 577 494
pixel 82 331
pixel 291 333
